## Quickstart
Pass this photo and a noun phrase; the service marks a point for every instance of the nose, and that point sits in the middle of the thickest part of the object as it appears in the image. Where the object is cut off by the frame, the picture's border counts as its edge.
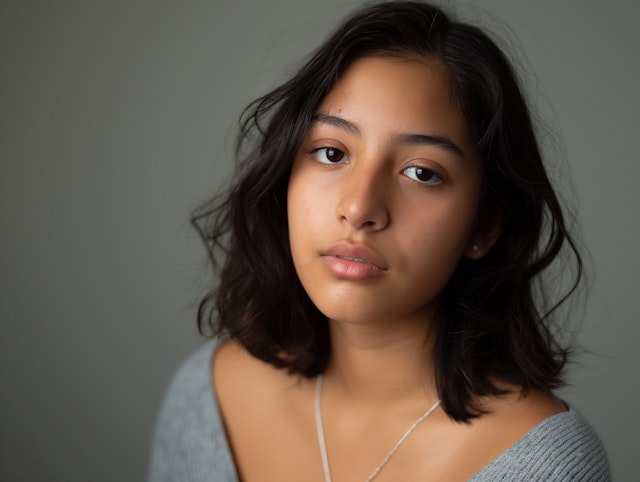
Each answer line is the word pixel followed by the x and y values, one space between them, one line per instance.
pixel 363 201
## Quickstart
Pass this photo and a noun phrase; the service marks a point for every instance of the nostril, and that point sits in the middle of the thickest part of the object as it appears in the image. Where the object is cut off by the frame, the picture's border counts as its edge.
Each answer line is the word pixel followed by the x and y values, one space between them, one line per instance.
pixel 362 204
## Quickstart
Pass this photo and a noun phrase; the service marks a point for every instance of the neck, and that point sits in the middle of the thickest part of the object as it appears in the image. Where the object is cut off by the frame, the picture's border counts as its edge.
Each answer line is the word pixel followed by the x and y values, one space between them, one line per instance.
pixel 383 363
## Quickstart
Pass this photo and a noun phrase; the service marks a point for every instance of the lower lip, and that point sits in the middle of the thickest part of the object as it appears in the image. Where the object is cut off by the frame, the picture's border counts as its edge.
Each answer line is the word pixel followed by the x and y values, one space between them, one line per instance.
pixel 351 270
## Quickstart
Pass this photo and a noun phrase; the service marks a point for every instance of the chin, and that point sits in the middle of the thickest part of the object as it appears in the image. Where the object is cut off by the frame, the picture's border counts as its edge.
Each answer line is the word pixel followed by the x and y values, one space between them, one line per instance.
pixel 373 312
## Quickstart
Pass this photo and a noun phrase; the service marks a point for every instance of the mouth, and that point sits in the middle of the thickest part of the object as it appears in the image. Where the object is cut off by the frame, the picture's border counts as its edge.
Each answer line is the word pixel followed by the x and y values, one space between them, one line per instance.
pixel 355 262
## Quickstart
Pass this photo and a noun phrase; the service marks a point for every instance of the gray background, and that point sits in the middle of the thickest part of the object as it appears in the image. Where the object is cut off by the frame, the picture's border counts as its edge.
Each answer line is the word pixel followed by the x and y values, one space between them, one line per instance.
pixel 117 118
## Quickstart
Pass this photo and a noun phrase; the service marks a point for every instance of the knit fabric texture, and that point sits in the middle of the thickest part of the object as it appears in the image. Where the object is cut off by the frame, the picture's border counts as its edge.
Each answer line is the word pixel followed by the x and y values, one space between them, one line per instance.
pixel 190 444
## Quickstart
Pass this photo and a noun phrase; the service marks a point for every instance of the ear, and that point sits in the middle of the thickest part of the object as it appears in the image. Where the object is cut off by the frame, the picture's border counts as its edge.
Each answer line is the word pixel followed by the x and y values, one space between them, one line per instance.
pixel 484 237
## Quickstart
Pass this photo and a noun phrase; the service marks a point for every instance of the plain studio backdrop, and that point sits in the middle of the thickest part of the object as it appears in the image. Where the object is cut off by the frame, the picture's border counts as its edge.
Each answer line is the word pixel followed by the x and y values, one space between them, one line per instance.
pixel 117 119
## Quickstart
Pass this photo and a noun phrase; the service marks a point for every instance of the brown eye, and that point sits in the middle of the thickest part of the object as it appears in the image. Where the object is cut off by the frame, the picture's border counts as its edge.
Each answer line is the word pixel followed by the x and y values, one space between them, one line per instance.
pixel 330 155
pixel 422 175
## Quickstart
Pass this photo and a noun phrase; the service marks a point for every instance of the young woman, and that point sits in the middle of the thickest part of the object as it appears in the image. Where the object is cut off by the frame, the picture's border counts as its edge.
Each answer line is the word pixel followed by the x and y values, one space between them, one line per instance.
pixel 376 316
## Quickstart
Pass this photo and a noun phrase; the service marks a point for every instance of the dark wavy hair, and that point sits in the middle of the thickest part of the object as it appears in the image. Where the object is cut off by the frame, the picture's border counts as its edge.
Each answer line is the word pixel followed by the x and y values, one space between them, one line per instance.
pixel 491 328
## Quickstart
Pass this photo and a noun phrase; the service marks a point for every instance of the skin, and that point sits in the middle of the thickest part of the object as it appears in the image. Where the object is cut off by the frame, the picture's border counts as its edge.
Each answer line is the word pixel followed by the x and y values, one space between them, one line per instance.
pixel 387 174
pixel 418 230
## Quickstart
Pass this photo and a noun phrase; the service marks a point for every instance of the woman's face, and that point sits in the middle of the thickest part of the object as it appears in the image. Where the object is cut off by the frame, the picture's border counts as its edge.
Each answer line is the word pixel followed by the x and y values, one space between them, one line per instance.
pixel 384 192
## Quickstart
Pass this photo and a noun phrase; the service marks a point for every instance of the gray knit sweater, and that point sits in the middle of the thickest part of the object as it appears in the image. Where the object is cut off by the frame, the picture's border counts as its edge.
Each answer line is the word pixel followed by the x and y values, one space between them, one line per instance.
pixel 190 445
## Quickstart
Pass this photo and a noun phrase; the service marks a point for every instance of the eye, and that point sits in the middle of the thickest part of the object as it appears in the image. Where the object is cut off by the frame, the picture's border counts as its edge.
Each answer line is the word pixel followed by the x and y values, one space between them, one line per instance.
pixel 330 155
pixel 422 175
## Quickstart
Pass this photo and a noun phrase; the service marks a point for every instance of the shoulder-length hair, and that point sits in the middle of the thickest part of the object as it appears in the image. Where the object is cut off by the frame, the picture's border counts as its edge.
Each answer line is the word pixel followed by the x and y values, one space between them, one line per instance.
pixel 491 329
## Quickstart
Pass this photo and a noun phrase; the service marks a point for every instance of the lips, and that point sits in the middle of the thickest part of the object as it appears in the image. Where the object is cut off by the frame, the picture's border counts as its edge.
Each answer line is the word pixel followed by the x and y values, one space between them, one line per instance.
pixel 359 260
pixel 355 262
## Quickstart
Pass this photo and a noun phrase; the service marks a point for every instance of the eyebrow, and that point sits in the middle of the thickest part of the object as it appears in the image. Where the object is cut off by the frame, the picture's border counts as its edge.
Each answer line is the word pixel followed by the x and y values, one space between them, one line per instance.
pixel 410 139
pixel 431 140
pixel 335 121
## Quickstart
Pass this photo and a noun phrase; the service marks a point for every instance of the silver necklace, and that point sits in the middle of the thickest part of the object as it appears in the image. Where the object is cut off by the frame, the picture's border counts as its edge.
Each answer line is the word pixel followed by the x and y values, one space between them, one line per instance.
pixel 323 445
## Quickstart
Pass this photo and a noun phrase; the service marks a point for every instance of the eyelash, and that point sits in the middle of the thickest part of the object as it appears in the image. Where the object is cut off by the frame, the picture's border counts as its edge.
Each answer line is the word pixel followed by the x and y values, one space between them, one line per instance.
pixel 412 172
pixel 318 151
pixel 417 171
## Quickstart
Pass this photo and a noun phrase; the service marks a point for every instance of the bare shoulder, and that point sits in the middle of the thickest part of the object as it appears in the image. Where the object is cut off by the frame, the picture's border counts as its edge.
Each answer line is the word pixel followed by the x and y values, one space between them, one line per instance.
pixel 519 413
pixel 556 445
pixel 231 361
pixel 508 419
pixel 236 373
pixel 266 412
pixel 240 379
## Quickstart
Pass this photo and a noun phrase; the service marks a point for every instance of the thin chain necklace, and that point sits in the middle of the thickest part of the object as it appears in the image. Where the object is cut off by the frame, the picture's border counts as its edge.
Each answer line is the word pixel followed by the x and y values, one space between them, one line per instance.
pixel 323 445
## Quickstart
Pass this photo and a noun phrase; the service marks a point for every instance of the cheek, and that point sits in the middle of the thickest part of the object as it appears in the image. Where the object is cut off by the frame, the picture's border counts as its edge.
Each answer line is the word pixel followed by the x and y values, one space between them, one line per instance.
pixel 303 213
pixel 434 241
pixel 297 203
pixel 309 198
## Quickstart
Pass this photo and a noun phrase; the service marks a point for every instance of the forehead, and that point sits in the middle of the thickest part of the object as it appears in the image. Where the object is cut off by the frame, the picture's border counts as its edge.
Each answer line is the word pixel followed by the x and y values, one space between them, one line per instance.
pixel 423 77
pixel 391 96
